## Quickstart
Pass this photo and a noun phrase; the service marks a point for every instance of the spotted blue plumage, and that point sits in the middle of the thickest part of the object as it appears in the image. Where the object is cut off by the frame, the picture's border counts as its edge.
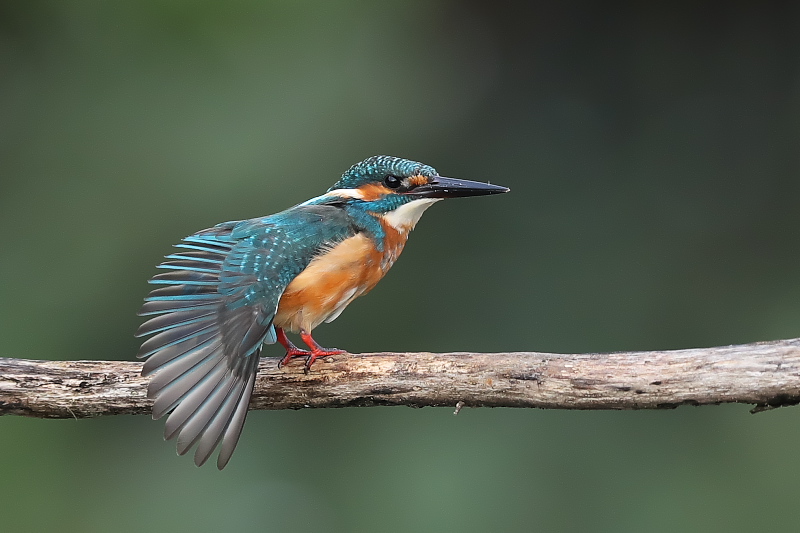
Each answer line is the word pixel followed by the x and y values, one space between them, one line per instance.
pixel 378 167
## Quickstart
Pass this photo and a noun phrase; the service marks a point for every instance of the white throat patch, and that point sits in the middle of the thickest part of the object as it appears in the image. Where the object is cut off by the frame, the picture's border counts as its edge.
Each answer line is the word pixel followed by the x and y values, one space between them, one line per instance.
pixel 405 217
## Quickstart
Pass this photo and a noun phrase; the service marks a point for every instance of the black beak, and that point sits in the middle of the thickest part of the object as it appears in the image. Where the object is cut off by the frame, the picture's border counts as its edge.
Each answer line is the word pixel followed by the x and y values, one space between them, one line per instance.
pixel 440 187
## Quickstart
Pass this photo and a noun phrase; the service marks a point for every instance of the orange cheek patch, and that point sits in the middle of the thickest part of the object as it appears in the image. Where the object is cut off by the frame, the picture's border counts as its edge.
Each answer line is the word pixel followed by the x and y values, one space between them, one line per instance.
pixel 417 180
pixel 373 192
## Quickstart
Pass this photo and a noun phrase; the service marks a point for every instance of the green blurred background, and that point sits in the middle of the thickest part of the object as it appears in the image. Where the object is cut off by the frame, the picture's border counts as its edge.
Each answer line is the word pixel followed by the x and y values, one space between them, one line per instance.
pixel 653 153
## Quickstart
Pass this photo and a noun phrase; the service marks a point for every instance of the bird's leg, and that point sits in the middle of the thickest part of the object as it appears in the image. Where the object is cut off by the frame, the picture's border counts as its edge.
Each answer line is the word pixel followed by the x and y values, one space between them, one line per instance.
pixel 310 355
pixel 316 349
pixel 291 349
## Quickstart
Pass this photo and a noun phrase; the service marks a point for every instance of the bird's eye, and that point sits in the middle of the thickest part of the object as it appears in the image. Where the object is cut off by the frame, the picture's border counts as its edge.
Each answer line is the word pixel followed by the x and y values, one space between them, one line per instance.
pixel 392 182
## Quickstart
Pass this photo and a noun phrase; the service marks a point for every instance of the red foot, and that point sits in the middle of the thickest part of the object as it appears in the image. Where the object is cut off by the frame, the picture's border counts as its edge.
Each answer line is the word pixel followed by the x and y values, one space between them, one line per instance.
pixel 291 349
pixel 310 355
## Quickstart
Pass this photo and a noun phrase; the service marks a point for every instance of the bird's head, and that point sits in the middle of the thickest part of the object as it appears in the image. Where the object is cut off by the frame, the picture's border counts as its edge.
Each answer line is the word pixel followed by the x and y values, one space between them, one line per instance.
pixel 400 190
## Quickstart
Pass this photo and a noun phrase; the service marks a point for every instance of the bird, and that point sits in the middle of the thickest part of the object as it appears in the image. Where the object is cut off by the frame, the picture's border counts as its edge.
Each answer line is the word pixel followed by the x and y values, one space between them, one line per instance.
pixel 237 286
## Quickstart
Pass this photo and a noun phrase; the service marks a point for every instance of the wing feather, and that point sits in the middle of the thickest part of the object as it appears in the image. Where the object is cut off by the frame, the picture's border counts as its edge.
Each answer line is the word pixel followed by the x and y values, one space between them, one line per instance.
pixel 211 312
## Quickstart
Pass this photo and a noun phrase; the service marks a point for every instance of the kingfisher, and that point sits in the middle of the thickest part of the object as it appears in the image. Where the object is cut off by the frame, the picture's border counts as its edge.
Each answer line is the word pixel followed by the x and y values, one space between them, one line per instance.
pixel 239 285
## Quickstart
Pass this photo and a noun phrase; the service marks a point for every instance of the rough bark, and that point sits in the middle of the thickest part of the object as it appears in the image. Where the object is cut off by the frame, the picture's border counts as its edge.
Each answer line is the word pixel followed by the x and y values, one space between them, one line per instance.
pixel 766 374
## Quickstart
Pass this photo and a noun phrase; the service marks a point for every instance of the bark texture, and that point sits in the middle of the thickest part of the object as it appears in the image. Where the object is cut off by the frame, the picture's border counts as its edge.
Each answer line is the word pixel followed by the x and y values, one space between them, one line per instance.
pixel 766 374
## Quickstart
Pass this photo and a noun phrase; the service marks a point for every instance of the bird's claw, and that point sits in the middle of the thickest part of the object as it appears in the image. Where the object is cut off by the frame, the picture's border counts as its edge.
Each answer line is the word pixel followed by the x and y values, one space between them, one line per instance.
pixel 315 354
pixel 310 355
pixel 290 354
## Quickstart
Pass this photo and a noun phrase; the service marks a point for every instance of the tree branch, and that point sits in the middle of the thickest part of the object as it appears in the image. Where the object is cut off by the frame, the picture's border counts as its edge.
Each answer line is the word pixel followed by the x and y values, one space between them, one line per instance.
pixel 766 374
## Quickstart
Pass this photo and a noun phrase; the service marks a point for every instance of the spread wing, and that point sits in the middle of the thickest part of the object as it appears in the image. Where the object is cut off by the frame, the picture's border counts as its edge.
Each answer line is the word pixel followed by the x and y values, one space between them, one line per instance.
pixel 212 312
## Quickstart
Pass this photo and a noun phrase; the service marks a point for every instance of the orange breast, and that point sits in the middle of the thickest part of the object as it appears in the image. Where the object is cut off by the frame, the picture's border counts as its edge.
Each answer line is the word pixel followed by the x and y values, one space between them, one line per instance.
pixel 334 279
